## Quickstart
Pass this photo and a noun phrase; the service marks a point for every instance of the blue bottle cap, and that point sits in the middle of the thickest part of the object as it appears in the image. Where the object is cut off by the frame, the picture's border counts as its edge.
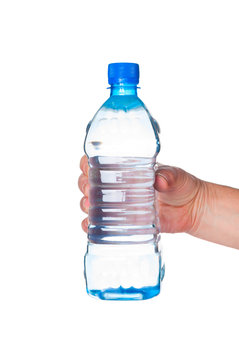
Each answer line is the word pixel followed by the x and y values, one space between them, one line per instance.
pixel 123 73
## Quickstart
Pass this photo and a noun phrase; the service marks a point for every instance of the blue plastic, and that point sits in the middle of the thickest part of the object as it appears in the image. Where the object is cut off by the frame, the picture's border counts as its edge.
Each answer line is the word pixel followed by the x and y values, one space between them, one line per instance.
pixel 131 293
pixel 123 73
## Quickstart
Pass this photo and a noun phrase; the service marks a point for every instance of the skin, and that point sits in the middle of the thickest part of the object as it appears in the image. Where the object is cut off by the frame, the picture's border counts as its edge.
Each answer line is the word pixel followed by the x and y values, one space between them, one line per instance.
pixel 187 204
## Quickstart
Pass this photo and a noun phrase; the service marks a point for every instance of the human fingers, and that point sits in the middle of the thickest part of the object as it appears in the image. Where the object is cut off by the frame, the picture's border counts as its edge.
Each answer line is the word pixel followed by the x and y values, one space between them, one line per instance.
pixel 84 224
pixel 84 204
pixel 84 165
pixel 83 184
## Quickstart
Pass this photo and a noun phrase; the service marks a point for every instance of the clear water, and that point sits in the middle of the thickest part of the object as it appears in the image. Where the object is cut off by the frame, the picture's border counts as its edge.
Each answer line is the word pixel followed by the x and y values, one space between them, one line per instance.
pixel 121 200
pixel 123 261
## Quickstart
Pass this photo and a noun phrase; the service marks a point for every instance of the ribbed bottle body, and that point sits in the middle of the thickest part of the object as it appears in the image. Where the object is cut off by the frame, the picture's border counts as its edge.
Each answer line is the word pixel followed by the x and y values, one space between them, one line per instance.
pixel 123 261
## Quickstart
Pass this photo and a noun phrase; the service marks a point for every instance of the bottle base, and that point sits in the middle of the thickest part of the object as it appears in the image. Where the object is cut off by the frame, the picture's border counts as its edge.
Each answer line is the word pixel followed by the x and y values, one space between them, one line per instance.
pixel 123 272
pixel 121 293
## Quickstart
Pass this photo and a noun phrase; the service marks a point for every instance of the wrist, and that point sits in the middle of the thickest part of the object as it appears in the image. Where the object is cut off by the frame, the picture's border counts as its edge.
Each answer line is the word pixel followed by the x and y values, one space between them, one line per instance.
pixel 216 214
pixel 201 207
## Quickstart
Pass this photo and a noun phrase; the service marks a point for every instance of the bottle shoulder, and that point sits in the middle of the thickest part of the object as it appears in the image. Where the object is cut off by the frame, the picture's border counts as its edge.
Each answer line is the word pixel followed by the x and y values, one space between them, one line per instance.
pixel 122 123
pixel 124 103
pixel 128 105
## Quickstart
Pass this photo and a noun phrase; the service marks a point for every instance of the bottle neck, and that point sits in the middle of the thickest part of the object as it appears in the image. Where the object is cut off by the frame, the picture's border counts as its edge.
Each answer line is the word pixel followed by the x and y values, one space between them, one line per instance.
pixel 125 89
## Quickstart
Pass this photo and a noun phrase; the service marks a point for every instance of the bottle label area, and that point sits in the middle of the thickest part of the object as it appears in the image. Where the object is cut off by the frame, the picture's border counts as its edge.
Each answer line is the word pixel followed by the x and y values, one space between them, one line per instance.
pixel 122 200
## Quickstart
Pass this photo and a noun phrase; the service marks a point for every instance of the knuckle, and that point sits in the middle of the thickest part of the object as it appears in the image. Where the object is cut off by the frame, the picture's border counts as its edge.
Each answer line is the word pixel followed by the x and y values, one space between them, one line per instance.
pixel 84 204
pixel 82 183
pixel 84 224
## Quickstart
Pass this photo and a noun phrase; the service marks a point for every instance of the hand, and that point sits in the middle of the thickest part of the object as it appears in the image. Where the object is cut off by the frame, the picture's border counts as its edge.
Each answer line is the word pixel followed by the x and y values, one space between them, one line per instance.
pixel 179 198
pixel 84 188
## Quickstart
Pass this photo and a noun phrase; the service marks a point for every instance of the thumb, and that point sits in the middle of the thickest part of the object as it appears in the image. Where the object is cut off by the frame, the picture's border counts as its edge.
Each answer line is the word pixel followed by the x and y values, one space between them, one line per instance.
pixel 176 187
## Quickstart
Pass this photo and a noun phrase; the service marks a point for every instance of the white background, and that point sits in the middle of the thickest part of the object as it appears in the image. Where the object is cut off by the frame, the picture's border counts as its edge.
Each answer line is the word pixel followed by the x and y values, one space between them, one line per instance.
pixel 53 77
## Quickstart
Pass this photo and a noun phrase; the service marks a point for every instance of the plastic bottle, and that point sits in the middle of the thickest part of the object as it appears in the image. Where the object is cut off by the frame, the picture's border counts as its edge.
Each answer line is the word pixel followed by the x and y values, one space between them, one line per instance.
pixel 123 259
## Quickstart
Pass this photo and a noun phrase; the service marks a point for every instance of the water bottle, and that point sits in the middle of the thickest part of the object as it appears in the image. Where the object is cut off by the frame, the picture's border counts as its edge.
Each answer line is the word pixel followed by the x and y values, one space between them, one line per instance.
pixel 123 259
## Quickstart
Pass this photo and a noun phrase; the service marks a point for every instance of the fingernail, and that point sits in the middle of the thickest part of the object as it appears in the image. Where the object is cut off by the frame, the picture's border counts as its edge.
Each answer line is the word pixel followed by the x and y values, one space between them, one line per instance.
pixel 83 188
pixel 84 202
pixel 86 189
pixel 162 176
